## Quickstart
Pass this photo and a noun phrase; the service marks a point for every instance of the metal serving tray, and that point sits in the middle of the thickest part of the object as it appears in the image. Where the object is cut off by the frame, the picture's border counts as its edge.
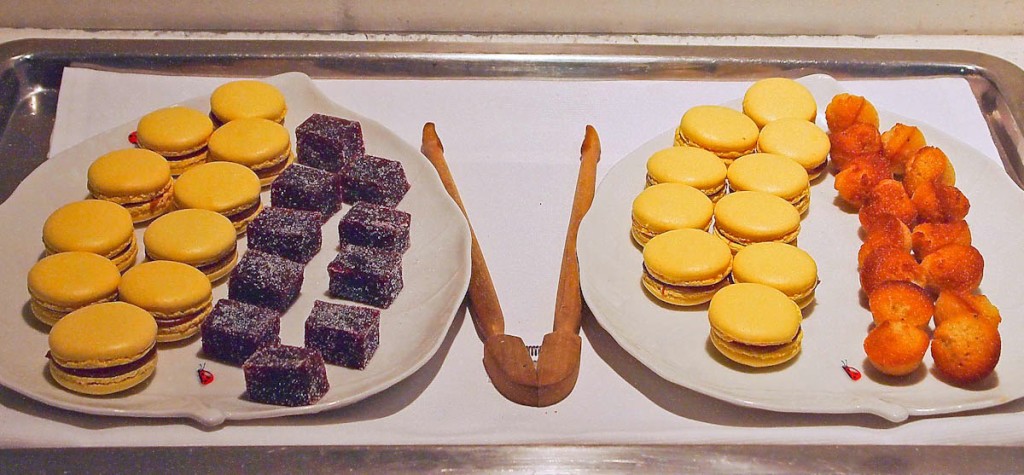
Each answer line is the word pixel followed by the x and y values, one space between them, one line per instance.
pixel 30 78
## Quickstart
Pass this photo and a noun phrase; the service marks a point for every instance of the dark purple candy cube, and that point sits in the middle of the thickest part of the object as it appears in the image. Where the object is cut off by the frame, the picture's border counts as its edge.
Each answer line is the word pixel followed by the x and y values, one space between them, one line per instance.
pixel 367 224
pixel 286 376
pixel 375 180
pixel 308 188
pixel 265 279
pixel 235 330
pixel 345 335
pixel 290 233
pixel 366 275
pixel 329 143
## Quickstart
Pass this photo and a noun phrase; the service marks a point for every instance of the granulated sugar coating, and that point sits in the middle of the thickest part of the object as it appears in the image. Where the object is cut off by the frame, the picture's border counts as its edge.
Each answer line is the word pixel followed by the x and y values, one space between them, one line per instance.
pixel 290 233
pixel 286 376
pixel 368 224
pixel 329 143
pixel 266 280
pixel 308 188
pixel 376 180
pixel 235 330
pixel 366 275
pixel 345 335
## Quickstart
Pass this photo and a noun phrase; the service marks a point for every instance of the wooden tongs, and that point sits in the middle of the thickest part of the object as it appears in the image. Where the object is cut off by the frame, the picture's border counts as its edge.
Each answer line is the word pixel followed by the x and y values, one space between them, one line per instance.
pixel 506 358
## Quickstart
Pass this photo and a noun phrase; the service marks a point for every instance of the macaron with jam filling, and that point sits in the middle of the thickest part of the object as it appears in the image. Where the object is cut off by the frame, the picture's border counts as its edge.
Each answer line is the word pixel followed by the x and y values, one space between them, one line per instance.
pixel 747 217
pixel 260 144
pixel 720 130
pixel 685 267
pixel 62 283
pixel 227 188
pixel 247 99
pixel 103 348
pixel 178 133
pixel 96 226
pixel 200 238
pixel 778 98
pixel 773 174
pixel 135 178
pixel 669 206
pixel 178 296
pixel 783 267
pixel 692 166
pixel 798 139
pixel 755 325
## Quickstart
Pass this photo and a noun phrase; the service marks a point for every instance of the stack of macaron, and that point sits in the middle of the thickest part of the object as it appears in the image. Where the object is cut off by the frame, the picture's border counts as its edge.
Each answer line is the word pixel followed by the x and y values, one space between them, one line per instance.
pixel 669 206
pixel 755 325
pixel 756 167
pixel 773 174
pixel 247 99
pixel 180 134
pixel 105 324
pixel 135 178
pixel 262 145
pixel 226 188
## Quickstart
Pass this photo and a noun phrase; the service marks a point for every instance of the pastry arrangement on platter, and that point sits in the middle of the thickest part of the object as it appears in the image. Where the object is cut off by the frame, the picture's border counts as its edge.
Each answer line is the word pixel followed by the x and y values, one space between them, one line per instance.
pixel 719 217
pixel 193 180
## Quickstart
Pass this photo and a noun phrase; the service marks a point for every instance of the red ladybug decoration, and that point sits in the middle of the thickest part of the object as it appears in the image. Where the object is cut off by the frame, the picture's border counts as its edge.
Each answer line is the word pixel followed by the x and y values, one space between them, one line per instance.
pixel 852 372
pixel 205 377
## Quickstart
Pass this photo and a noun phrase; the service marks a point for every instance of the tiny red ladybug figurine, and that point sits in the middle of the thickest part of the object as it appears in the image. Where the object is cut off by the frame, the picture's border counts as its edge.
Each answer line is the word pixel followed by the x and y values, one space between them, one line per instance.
pixel 205 377
pixel 852 372
pixel 133 138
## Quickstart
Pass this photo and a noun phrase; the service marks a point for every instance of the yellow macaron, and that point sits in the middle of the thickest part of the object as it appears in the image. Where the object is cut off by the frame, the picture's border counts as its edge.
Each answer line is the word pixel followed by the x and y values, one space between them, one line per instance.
pixel 774 174
pixel 755 325
pixel 692 166
pixel 227 188
pixel 103 348
pixel 745 217
pixel 178 133
pixel 786 268
pixel 685 266
pixel 96 226
pixel 178 296
pixel 776 98
pixel 799 140
pixel 136 178
pixel 200 238
pixel 62 283
pixel 720 130
pixel 669 206
pixel 247 99
pixel 260 144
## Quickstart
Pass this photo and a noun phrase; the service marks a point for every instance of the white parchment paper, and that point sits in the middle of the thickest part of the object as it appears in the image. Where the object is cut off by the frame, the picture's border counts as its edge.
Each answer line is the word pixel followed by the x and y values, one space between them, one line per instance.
pixel 513 147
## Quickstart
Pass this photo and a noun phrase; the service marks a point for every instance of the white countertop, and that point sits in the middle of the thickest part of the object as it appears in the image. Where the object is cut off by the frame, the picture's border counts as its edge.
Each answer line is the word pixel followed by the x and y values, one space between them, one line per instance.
pixel 1007 47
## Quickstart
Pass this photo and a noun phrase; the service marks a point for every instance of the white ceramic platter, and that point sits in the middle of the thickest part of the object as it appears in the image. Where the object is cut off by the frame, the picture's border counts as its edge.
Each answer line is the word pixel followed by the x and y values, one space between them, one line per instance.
pixel 436 274
pixel 674 343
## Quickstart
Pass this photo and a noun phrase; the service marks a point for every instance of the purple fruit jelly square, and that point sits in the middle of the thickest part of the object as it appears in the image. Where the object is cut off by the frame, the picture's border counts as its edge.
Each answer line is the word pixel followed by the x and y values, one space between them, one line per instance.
pixel 290 233
pixel 308 188
pixel 366 275
pixel 286 376
pixel 235 330
pixel 376 180
pixel 265 279
pixel 367 224
pixel 329 143
pixel 345 335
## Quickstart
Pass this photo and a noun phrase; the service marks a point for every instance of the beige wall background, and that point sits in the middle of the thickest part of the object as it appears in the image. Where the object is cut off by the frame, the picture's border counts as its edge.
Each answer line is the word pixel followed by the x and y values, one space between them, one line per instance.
pixel 727 17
